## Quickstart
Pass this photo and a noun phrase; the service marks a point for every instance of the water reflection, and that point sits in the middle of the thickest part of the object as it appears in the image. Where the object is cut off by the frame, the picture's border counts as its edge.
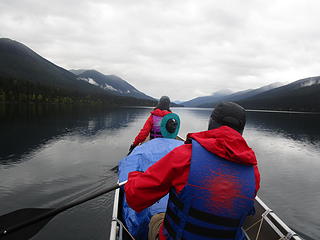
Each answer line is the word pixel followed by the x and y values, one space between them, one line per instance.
pixel 50 155
pixel 297 126
pixel 36 125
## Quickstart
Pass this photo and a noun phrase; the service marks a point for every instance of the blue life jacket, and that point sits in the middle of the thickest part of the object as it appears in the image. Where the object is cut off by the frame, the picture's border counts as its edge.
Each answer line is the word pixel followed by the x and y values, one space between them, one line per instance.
pixel 156 127
pixel 214 203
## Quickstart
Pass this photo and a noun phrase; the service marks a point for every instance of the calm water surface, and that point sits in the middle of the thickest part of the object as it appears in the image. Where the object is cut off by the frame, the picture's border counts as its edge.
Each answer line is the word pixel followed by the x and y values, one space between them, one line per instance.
pixel 50 156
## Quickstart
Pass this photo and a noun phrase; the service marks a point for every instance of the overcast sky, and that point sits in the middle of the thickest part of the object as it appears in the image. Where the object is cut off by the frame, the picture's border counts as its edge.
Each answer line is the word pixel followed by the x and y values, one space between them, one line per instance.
pixel 178 48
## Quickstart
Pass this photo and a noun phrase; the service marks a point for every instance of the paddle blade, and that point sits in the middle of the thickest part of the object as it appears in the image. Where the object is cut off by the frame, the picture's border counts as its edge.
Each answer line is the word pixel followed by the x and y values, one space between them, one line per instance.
pixel 15 220
pixel 115 169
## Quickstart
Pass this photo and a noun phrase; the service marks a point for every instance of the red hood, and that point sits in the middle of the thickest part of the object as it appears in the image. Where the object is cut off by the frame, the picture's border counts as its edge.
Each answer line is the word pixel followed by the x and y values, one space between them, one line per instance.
pixel 226 143
pixel 160 113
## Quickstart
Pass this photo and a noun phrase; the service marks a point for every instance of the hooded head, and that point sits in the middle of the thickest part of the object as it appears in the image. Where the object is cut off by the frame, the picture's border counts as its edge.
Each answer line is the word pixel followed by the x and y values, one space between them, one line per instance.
pixel 228 114
pixel 164 103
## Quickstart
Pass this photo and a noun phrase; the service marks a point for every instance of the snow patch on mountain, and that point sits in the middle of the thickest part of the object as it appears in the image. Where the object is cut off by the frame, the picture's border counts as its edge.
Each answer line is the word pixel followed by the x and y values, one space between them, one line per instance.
pixel 310 82
pixel 109 87
pixel 104 86
pixel 88 80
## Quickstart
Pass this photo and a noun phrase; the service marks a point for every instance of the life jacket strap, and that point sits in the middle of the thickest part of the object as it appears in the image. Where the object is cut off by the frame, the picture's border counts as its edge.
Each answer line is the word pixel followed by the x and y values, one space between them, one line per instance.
pixel 203 216
pixel 174 217
pixel 169 229
pixel 209 233
pixel 155 134
pixel 211 218
pixel 176 201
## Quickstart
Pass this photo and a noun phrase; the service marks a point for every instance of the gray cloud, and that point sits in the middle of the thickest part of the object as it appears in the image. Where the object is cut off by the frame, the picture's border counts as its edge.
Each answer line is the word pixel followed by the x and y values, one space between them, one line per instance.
pixel 178 48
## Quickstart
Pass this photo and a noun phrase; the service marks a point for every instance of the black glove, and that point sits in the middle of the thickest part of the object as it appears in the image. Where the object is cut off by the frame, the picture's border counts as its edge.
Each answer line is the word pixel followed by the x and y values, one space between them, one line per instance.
pixel 131 148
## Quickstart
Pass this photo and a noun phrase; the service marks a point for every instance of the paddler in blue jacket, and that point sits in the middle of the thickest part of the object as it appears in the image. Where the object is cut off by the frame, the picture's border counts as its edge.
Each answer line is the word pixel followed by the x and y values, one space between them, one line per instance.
pixel 140 159
pixel 212 179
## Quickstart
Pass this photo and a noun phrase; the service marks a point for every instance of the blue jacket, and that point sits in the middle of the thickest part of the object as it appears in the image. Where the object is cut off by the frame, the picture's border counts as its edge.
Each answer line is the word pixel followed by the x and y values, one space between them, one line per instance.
pixel 140 159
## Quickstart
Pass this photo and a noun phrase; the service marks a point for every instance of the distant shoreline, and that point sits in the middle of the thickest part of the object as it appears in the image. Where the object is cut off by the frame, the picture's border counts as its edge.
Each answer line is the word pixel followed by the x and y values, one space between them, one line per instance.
pixel 281 111
pixel 260 110
pixel 105 105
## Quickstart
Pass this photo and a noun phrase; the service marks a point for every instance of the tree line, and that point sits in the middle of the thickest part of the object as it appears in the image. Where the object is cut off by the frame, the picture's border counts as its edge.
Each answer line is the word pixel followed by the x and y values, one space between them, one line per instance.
pixel 21 91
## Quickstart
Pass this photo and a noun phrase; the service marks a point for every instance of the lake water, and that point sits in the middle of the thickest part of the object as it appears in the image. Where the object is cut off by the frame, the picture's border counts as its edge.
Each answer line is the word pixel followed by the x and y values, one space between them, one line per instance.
pixel 50 156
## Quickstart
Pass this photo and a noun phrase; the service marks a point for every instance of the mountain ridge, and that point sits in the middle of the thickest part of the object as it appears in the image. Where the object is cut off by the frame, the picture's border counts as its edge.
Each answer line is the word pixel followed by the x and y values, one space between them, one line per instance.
pixel 112 84
pixel 212 100
pixel 237 96
pixel 216 96
pixel 25 76
pixel 300 95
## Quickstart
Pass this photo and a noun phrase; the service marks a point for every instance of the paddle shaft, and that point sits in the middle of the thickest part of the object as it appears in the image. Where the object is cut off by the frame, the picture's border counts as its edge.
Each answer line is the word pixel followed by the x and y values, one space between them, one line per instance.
pixel 56 211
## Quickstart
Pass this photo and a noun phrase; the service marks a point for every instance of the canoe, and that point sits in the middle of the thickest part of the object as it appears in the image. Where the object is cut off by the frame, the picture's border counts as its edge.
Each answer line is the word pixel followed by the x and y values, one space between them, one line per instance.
pixel 264 225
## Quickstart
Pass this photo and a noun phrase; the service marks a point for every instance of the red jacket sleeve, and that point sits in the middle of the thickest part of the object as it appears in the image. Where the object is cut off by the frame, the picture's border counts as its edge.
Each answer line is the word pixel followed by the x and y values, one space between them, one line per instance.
pixel 144 189
pixel 257 176
pixel 144 132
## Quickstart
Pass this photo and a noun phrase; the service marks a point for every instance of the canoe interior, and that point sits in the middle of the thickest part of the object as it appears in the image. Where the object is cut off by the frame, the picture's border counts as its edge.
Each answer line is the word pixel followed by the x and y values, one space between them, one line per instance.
pixel 272 228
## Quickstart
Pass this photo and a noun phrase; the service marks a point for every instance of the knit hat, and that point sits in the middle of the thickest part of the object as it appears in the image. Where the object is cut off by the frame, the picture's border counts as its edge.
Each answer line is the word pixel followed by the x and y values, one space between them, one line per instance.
pixel 164 103
pixel 228 114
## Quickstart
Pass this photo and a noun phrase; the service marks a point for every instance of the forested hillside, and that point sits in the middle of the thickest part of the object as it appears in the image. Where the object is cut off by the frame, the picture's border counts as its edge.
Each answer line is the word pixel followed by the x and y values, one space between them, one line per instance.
pixel 25 76
pixel 301 95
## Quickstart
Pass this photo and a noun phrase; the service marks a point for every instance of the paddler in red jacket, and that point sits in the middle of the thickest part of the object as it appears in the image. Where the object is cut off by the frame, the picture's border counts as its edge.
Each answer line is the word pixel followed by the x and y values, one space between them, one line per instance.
pixel 152 125
pixel 212 180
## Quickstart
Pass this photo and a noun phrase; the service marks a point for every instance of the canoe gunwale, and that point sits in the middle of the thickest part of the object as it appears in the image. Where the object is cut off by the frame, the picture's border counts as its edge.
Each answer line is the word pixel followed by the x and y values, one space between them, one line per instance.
pixel 118 229
pixel 114 225
pixel 273 224
pixel 290 232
